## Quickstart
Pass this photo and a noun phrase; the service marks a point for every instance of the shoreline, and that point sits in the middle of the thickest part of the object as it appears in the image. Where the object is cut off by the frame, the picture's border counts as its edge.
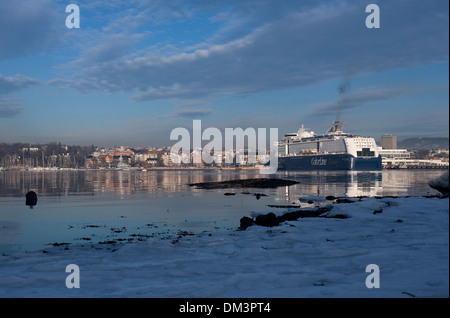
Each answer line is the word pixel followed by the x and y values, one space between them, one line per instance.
pixel 316 207
pixel 132 169
pixel 251 168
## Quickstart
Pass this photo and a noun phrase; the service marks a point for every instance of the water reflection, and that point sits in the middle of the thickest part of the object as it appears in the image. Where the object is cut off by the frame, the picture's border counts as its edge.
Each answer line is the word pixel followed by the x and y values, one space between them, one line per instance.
pixel 97 206
pixel 339 184
pixel 63 183
pixel 400 182
pixel 125 183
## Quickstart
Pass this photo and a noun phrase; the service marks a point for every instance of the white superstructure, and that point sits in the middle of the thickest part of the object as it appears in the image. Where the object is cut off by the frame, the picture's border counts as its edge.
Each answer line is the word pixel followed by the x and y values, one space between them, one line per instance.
pixel 335 141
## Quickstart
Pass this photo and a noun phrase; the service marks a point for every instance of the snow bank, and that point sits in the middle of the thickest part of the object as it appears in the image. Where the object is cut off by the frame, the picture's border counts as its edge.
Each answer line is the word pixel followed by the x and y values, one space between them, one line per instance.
pixel 311 257
pixel 440 183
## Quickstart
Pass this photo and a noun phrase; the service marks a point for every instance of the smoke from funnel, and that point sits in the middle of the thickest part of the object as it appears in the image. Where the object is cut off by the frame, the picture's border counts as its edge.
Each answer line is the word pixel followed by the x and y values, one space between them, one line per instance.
pixel 343 89
pixel 344 86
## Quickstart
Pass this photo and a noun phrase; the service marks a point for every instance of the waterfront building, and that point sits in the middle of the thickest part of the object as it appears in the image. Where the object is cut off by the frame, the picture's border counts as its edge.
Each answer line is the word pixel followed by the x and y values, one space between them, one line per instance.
pixel 389 141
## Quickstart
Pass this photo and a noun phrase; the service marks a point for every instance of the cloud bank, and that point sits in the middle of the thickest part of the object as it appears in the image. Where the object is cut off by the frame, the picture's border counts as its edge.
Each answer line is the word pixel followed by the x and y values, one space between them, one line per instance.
pixel 9 108
pixel 14 83
pixel 308 44
pixel 28 27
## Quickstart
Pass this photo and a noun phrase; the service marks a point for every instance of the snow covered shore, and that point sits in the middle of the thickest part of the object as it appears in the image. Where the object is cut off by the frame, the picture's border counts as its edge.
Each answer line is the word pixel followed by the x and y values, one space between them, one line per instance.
pixel 408 238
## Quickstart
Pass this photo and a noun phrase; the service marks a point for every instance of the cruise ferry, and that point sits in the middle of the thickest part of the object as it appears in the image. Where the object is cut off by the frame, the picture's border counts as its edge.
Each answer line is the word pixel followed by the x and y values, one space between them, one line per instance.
pixel 334 150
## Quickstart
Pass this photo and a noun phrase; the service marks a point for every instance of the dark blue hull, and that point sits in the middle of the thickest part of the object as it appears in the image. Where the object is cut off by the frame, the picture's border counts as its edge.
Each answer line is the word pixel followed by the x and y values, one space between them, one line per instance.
pixel 329 162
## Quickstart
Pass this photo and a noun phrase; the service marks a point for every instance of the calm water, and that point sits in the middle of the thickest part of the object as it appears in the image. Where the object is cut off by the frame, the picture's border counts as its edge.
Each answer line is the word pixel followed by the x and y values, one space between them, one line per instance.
pixel 80 207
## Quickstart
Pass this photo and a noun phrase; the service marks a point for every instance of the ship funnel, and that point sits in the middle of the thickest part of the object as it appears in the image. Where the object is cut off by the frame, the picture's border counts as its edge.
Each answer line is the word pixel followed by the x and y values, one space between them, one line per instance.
pixel 336 129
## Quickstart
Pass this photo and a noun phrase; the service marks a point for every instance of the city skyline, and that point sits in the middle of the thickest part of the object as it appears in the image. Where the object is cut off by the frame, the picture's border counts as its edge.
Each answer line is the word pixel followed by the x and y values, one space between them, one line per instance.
pixel 135 70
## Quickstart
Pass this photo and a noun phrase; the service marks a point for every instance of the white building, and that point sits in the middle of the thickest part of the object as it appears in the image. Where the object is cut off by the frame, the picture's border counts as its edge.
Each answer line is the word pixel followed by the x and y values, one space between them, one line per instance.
pixel 394 153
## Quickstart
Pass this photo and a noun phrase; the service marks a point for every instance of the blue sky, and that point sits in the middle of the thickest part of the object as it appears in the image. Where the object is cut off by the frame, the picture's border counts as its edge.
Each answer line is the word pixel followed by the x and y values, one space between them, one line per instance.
pixel 137 69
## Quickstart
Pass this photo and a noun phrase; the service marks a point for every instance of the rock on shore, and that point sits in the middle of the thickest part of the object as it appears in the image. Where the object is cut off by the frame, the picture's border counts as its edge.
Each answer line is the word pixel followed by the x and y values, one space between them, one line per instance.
pixel 245 183
pixel 440 183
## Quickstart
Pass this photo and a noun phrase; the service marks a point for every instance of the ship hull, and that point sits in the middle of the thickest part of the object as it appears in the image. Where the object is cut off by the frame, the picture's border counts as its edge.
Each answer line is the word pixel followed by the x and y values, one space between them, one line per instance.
pixel 329 162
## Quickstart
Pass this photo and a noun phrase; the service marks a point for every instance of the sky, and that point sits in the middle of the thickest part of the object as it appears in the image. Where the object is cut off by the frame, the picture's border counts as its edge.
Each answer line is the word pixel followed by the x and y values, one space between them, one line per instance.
pixel 135 70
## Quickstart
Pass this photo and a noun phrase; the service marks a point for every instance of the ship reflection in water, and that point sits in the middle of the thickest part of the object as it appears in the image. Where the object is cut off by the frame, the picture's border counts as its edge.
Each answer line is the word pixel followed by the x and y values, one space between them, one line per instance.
pixel 335 183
